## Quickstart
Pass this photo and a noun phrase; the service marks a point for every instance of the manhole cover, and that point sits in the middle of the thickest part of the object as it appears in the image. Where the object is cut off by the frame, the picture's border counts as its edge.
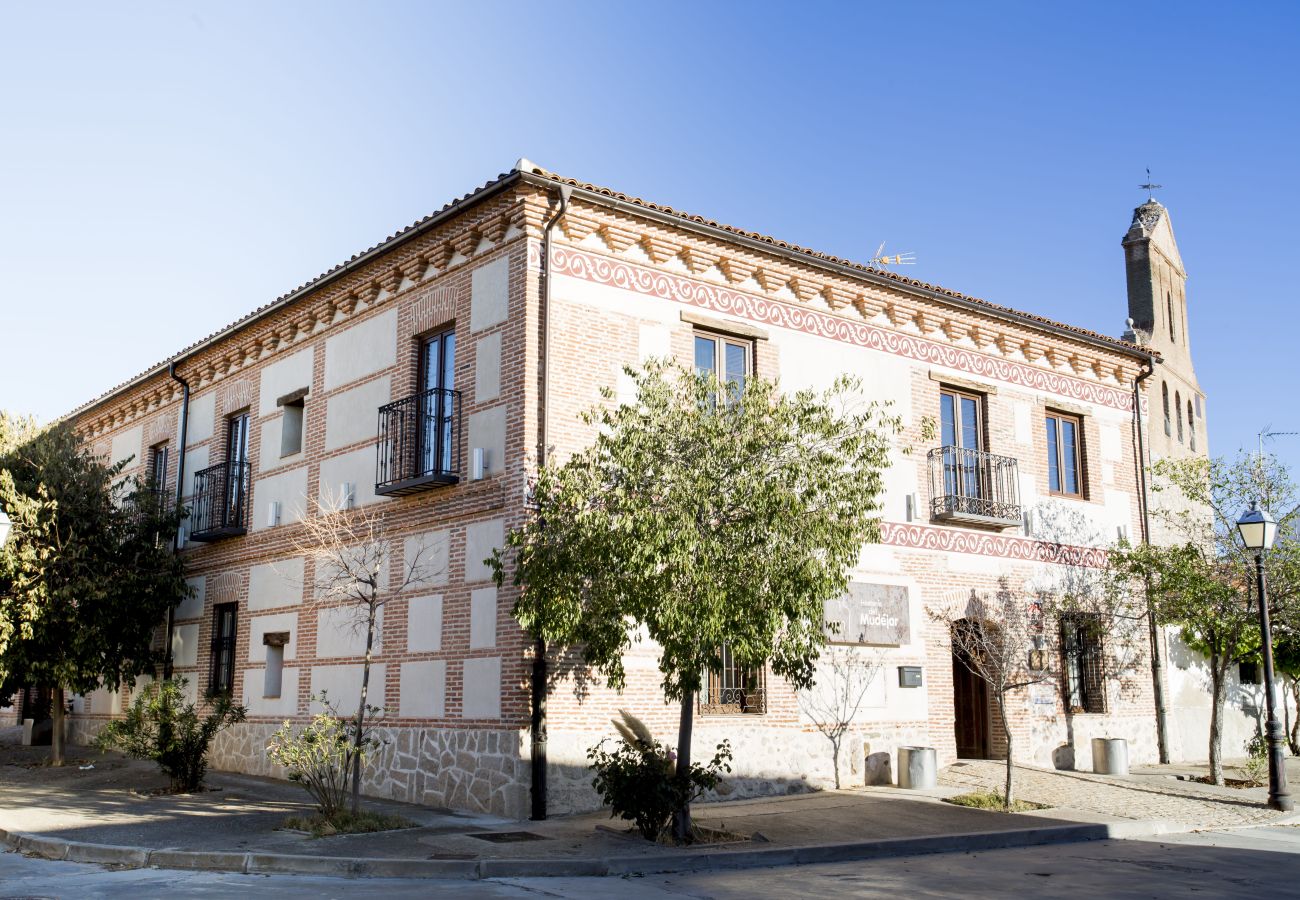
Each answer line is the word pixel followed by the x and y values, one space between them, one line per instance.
pixel 508 837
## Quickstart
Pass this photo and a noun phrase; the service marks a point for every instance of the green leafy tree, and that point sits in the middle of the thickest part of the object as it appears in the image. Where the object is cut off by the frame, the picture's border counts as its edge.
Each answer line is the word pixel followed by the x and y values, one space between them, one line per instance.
pixel 87 574
pixel 1203 583
pixel 705 514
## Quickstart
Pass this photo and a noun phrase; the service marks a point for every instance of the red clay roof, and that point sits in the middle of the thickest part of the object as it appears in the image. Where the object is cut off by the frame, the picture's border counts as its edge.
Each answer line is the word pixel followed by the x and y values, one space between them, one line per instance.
pixel 633 201
pixel 837 260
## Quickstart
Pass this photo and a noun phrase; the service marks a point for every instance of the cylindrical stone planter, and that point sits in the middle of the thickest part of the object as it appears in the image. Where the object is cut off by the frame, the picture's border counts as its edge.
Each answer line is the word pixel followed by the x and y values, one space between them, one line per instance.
pixel 917 768
pixel 1109 756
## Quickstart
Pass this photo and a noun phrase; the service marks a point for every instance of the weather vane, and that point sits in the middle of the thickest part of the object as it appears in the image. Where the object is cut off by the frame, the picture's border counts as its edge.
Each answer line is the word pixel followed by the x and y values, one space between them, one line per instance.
pixel 907 258
pixel 1150 187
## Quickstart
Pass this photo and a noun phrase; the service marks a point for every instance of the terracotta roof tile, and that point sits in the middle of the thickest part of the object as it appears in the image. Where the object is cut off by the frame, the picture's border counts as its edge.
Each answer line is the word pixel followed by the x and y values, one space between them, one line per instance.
pixel 632 201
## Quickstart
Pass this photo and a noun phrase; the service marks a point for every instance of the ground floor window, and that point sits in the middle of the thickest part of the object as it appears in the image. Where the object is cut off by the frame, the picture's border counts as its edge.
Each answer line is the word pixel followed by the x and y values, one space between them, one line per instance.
pixel 1082 661
pixel 734 688
pixel 222 676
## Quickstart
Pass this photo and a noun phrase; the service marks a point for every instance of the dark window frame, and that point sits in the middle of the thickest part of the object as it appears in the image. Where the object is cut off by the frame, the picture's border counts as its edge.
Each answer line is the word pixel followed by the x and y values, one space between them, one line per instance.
pixel 981 416
pixel 734 689
pixel 1056 416
pixel 1083 679
pixel 159 460
pixel 221 671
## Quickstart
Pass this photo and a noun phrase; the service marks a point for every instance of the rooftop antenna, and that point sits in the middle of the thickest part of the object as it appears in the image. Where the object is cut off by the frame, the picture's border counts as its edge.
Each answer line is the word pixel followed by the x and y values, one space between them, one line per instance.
pixel 906 258
pixel 1150 187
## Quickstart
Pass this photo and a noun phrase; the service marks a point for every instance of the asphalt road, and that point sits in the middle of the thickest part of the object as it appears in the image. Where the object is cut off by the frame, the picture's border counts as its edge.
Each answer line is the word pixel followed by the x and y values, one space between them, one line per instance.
pixel 1248 862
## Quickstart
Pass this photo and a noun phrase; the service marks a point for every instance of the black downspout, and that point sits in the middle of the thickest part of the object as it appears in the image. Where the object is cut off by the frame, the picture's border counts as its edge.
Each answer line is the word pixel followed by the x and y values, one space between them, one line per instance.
pixel 540 675
pixel 180 495
pixel 1157 663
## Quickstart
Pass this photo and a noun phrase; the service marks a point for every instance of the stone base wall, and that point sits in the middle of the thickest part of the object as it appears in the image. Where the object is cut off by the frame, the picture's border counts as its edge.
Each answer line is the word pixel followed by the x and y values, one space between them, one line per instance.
pixel 765 761
pixel 476 770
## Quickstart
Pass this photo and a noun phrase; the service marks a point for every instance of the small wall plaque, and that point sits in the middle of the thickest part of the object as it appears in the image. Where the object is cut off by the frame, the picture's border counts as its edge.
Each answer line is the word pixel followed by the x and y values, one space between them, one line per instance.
pixel 909 676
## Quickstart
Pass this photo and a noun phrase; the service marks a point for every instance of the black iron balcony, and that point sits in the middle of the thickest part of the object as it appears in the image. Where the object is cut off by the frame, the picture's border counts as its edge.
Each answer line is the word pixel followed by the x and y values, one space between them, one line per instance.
pixel 973 487
pixel 219 508
pixel 419 443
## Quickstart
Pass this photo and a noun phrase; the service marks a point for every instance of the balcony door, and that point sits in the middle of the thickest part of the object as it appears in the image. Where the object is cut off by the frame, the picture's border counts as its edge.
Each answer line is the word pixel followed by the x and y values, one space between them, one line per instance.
pixel 236 467
pixel 436 403
pixel 962 433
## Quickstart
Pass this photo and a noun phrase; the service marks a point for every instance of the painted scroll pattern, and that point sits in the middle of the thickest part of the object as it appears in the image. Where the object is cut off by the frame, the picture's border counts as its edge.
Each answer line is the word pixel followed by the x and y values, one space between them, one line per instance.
pixel 947 540
pixel 715 298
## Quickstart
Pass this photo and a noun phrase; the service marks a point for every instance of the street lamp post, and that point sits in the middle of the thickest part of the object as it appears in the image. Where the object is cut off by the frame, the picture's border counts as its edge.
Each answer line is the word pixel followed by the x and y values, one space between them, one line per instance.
pixel 1258 529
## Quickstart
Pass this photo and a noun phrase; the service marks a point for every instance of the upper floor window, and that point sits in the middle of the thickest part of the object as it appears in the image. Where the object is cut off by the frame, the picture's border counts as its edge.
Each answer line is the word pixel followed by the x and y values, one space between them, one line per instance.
pixel 1191 427
pixel 727 359
pixel 158 468
pixel 1164 395
pixel 1178 413
pixel 1169 306
pixel 1082 663
pixel 1064 472
pixel 961 420
pixel 437 381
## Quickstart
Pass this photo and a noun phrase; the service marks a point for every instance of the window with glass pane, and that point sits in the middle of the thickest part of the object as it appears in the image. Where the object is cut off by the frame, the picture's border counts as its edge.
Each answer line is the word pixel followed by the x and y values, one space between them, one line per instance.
pixel 733 689
pixel 1082 662
pixel 222 677
pixel 437 376
pixel 724 358
pixel 1064 475
pixel 961 431
pixel 158 468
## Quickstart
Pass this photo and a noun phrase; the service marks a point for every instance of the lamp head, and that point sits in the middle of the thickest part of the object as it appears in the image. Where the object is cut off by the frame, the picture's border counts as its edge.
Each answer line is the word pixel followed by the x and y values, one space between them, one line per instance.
pixel 1257 528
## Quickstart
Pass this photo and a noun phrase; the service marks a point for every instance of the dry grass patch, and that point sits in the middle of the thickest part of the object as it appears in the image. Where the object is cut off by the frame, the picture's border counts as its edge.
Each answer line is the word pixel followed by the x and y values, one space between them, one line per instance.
pixel 364 822
pixel 992 800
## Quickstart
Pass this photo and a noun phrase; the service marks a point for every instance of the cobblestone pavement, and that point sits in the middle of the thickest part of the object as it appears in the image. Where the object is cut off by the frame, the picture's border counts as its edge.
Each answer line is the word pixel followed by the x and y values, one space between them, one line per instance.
pixel 1126 798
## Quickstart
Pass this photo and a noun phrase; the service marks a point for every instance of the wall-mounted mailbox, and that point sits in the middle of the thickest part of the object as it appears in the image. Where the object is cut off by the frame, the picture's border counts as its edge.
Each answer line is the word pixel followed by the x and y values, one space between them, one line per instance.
pixel 909 676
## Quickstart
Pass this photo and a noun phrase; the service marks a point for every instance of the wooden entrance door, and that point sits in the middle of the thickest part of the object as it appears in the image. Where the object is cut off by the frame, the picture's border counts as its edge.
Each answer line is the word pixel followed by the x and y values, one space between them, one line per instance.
pixel 970 697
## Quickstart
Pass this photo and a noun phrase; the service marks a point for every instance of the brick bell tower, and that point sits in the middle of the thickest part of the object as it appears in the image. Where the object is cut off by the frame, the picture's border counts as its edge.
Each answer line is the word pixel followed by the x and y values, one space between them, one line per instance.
pixel 1157 308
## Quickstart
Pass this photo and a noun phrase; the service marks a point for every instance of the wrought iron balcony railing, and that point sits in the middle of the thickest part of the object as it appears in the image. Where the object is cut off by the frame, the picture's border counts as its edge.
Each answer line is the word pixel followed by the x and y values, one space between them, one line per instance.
pixel 219 508
pixel 974 487
pixel 419 443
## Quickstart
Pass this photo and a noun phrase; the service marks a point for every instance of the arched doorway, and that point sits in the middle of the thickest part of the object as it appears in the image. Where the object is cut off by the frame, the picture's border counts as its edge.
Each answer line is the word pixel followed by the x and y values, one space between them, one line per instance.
pixel 970 700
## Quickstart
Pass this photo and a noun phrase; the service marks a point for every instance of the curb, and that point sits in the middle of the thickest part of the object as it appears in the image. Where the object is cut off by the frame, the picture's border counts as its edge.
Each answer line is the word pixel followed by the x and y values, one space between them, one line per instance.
pixel 360 867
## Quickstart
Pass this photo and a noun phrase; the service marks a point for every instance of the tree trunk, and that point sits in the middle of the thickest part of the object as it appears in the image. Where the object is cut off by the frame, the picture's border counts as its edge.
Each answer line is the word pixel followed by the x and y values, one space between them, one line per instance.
pixel 1217 679
pixel 56 739
pixel 1295 723
pixel 682 819
pixel 1008 797
pixel 361 714
pixel 835 759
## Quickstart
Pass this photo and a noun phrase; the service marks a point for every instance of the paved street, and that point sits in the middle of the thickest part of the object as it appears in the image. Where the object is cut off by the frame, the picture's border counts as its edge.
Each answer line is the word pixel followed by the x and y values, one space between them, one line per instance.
pixel 1209 864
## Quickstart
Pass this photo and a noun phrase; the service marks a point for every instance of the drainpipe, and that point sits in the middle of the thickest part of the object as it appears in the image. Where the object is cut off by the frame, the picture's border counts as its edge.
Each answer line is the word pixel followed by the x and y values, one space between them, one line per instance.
pixel 1157 663
pixel 180 494
pixel 539 673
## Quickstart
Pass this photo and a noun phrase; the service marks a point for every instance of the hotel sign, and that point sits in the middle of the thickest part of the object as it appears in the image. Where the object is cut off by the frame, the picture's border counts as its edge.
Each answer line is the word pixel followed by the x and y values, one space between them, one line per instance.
pixel 870 614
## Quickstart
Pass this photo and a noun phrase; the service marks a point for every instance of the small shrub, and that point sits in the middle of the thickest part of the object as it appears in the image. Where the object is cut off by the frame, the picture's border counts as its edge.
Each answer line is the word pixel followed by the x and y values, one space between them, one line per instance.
pixel 639 781
pixel 1255 769
pixel 320 756
pixel 163 726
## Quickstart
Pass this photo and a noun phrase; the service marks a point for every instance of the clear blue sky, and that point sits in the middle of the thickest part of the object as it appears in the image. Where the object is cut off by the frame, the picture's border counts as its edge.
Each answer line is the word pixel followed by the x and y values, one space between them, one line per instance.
pixel 167 167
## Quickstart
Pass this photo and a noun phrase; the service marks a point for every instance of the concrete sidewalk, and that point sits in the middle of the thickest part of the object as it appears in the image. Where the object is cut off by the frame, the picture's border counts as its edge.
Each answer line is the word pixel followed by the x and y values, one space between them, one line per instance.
pixel 98 814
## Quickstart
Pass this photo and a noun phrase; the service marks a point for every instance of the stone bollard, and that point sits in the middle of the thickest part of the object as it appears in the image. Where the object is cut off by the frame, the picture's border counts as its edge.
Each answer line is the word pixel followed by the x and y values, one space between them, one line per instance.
pixel 1109 756
pixel 28 725
pixel 879 770
pixel 917 768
